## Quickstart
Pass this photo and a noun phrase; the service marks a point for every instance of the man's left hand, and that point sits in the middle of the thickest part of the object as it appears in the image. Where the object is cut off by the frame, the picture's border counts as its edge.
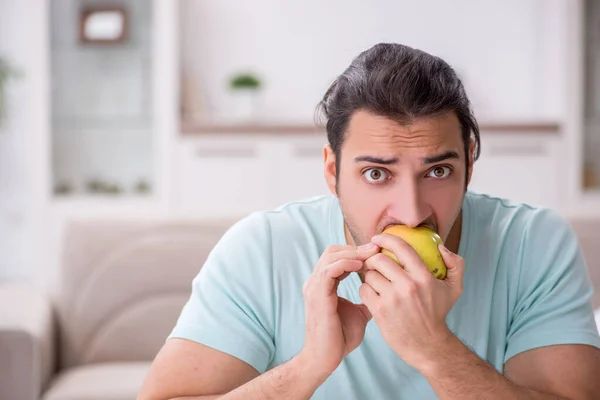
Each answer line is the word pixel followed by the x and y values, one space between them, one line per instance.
pixel 409 305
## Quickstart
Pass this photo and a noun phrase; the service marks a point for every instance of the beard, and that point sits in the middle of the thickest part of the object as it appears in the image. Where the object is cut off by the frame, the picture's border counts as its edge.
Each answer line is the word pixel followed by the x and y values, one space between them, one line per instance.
pixel 354 232
pixel 359 237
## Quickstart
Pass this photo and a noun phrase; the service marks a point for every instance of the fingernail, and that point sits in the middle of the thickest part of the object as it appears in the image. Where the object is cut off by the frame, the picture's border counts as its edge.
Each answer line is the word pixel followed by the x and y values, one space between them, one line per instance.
pixel 368 246
pixel 443 248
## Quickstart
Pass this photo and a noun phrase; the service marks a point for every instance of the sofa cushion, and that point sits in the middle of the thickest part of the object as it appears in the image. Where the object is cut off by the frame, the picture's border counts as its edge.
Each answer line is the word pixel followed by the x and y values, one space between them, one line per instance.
pixel 123 284
pixel 110 381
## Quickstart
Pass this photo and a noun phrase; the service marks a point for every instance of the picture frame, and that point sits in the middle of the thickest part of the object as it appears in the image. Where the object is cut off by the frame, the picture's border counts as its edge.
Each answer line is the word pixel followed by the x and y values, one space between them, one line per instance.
pixel 103 25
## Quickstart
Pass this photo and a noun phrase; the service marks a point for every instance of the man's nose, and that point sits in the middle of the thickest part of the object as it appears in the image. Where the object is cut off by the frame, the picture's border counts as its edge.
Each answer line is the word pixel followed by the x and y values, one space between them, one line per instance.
pixel 409 205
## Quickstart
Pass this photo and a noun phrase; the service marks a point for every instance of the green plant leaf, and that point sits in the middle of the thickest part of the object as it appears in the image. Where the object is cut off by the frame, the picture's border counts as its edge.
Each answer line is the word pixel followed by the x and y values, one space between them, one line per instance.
pixel 245 81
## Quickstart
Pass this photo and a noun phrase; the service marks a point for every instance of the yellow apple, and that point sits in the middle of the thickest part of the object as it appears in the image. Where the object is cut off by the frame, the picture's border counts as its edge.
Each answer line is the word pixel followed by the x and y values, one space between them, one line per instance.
pixel 425 242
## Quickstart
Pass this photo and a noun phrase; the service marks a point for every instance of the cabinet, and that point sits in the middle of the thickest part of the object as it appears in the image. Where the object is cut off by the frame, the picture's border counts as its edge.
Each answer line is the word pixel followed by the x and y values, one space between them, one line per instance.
pixel 220 176
pixel 223 176
pixel 521 167
pixel 299 168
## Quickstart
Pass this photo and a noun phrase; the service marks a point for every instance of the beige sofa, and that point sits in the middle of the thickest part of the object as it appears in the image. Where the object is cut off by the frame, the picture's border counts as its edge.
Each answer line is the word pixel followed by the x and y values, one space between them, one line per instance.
pixel 122 286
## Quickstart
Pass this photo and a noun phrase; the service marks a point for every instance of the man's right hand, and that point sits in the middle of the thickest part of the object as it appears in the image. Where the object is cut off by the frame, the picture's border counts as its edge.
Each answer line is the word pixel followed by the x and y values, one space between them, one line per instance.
pixel 334 325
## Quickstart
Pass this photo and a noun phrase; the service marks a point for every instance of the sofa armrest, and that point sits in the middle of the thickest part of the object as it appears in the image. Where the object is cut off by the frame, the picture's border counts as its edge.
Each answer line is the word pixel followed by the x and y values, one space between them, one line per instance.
pixel 26 341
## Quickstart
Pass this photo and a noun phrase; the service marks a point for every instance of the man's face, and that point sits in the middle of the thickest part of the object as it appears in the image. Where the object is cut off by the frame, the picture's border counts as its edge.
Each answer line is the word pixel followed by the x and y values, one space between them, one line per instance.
pixel 393 174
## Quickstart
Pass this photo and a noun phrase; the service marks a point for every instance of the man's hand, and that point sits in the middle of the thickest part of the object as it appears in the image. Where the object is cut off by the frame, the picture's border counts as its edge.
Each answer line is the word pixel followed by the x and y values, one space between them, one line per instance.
pixel 334 325
pixel 410 305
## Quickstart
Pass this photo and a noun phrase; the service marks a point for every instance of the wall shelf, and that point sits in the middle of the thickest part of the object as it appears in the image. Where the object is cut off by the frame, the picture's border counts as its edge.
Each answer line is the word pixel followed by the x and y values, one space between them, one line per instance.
pixel 193 128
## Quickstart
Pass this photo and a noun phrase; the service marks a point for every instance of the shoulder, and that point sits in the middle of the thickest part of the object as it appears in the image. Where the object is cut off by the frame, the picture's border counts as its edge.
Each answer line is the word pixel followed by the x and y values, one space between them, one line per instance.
pixel 533 240
pixel 539 244
pixel 296 223
pixel 312 216
pixel 519 221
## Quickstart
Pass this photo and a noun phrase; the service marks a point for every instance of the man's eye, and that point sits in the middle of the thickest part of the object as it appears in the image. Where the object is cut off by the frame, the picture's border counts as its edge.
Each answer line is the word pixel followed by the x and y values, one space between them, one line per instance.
pixel 439 172
pixel 375 175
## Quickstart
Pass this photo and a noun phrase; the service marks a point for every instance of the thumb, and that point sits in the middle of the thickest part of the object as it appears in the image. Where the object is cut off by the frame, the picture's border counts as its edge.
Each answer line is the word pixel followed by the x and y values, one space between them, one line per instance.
pixel 455 266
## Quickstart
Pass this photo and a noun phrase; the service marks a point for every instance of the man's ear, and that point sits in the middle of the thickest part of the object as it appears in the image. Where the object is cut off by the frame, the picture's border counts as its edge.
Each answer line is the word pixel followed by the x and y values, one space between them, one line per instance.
pixel 330 169
pixel 471 158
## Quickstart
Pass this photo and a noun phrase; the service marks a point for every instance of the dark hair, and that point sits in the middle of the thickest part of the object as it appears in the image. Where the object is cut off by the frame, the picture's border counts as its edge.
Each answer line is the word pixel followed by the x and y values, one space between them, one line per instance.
pixel 401 83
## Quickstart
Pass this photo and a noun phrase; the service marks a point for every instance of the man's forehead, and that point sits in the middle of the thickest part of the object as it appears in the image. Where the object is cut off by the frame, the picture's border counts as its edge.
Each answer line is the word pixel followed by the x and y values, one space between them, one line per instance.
pixel 364 121
pixel 426 136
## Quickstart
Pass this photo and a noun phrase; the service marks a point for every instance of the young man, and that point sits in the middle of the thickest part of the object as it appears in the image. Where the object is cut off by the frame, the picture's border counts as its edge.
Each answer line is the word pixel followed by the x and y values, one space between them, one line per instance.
pixel 277 311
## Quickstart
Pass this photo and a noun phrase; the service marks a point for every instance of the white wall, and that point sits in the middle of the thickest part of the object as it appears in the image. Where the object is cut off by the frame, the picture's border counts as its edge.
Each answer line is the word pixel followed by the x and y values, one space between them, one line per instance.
pixel 508 52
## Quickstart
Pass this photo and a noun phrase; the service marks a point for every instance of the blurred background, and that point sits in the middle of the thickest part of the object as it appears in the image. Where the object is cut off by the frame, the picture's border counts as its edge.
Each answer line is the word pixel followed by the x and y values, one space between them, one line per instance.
pixel 117 114
pixel 206 108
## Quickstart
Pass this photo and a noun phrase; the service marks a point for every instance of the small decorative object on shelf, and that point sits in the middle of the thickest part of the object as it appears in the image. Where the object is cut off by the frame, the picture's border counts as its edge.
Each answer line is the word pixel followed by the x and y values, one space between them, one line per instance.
pixel 94 186
pixel 99 186
pixel 142 187
pixel 244 88
pixel 589 176
pixel 7 71
pixel 63 188
pixel 192 102
pixel 113 188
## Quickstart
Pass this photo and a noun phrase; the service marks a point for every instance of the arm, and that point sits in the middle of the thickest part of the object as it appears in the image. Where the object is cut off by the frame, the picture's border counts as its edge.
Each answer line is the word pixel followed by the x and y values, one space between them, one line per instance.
pixel 26 341
pixel 296 379
pixel 183 368
pixel 555 372
pixel 187 370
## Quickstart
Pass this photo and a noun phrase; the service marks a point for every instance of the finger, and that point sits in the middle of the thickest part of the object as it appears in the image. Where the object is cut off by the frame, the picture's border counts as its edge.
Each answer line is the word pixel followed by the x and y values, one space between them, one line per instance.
pixel 352 253
pixel 405 254
pixel 391 271
pixel 334 248
pixel 377 281
pixel 329 277
pixel 455 266
pixel 385 266
pixel 369 296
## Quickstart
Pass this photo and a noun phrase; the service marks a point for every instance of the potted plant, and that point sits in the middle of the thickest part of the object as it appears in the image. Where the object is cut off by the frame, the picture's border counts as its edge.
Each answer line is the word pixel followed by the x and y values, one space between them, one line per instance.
pixel 244 88
pixel 6 72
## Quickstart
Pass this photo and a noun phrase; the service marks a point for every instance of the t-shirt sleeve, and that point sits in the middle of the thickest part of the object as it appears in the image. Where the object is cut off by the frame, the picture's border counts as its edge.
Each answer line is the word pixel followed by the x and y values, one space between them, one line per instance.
pixel 554 290
pixel 231 306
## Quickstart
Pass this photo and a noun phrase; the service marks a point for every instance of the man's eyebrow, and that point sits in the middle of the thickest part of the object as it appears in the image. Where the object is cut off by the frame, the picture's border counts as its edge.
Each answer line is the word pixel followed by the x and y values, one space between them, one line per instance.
pixel 376 160
pixel 389 161
pixel 440 157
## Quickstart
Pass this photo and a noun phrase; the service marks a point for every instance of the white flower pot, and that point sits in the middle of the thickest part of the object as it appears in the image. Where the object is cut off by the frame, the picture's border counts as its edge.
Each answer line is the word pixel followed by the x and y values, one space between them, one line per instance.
pixel 244 104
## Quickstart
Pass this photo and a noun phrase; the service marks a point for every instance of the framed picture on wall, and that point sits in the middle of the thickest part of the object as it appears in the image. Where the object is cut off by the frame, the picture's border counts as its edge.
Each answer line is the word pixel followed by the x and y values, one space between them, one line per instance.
pixel 103 25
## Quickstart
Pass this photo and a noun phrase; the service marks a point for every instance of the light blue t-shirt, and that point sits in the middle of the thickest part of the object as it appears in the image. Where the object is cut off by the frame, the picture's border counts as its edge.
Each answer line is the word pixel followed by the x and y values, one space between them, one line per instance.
pixel 526 285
